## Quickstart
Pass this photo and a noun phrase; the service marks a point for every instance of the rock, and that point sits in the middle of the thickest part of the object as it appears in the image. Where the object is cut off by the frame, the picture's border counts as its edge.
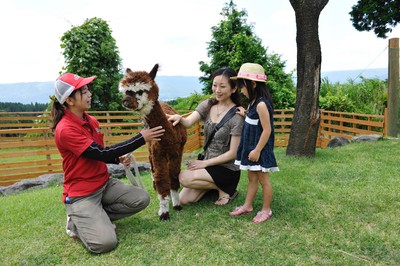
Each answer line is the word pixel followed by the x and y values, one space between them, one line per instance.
pixel 118 170
pixel 364 138
pixel 33 183
pixel 337 142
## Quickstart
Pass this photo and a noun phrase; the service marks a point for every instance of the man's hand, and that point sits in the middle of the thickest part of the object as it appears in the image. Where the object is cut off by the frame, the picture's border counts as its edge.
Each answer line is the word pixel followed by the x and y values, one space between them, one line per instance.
pixel 126 160
pixel 150 134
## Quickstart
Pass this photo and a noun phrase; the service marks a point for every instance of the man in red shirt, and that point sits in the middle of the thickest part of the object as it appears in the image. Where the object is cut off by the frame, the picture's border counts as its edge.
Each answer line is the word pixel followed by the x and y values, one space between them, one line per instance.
pixel 92 199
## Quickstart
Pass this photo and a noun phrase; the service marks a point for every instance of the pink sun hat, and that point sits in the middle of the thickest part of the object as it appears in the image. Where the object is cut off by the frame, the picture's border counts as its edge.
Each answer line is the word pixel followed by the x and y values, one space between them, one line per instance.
pixel 251 71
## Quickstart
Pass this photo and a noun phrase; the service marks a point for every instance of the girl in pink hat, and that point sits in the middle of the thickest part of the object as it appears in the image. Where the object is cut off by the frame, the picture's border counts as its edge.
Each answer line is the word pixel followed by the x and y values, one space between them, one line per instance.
pixel 256 149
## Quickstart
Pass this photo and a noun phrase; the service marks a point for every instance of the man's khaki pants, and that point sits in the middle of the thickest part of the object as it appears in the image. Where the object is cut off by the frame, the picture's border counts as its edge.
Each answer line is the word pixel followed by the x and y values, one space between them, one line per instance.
pixel 91 216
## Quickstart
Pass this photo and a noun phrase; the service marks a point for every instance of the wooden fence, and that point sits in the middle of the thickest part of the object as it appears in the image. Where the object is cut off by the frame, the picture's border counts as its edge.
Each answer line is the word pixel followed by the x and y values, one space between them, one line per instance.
pixel 347 125
pixel 27 147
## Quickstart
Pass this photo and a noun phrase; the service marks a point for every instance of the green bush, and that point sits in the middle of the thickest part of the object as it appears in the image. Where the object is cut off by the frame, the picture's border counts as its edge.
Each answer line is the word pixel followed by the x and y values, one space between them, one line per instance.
pixel 367 97
pixel 189 103
pixel 284 98
pixel 339 102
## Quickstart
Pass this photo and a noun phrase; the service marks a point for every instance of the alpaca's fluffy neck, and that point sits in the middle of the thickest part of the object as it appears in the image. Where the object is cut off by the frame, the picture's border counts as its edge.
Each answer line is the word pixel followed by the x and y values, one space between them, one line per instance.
pixel 157 117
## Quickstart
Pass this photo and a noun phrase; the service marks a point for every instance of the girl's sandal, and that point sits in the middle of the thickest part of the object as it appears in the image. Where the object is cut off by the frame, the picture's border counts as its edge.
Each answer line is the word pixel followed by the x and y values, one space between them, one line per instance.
pixel 262 216
pixel 238 211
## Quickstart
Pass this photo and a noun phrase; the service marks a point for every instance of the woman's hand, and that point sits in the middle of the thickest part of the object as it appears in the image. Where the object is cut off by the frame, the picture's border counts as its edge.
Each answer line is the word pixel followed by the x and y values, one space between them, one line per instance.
pixel 150 134
pixel 196 164
pixel 175 119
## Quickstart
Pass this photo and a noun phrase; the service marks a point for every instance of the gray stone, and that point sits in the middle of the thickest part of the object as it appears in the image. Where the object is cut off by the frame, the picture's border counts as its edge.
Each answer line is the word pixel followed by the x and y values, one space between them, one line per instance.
pixel 118 170
pixel 337 142
pixel 115 170
pixel 33 183
pixel 365 138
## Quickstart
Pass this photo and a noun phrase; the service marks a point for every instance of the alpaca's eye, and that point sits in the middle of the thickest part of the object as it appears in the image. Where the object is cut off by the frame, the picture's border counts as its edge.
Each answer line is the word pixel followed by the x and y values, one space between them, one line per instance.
pixel 139 93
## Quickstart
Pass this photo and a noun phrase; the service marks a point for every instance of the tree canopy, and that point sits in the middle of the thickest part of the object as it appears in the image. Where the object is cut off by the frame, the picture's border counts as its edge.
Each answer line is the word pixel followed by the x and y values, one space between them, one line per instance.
pixel 379 16
pixel 234 43
pixel 20 107
pixel 90 50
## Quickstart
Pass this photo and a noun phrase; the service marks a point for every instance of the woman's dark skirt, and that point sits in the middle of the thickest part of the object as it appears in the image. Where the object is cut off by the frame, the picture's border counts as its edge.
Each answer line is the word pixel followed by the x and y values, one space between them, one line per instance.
pixel 225 179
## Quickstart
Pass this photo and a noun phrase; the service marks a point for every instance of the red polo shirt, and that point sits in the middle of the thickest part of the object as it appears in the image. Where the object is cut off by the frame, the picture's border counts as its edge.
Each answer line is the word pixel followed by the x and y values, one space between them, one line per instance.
pixel 82 176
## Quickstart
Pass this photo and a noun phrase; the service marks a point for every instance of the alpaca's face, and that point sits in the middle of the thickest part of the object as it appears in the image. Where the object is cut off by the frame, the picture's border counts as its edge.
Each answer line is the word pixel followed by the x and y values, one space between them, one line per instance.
pixel 140 91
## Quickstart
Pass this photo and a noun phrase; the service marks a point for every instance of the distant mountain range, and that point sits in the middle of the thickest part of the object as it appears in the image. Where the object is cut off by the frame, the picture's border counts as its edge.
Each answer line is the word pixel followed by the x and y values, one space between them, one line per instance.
pixel 355 75
pixel 171 87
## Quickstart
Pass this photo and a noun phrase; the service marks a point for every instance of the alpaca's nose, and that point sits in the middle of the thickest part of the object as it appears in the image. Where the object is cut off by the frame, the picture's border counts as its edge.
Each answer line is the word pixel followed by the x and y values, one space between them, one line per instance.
pixel 125 103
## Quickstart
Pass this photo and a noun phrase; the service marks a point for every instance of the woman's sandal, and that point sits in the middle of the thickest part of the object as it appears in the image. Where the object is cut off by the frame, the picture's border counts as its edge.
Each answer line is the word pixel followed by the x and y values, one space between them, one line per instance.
pixel 262 216
pixel 227 198
pixel 238 211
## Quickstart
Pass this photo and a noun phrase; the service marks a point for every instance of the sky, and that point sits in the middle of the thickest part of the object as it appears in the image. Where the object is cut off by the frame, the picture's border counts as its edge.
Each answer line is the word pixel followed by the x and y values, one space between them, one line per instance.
pixel 173 33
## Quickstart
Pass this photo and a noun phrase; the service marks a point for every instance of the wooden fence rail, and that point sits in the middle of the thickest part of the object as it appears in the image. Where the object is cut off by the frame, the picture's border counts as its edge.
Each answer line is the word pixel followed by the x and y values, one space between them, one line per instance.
pixel 27 147
pixel 348 125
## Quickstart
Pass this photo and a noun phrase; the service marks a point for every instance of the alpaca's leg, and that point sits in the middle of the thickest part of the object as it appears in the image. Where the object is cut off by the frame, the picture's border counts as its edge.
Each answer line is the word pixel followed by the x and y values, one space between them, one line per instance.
pixel 152 169
pixel 175 161
pixel 161 183
pixel 175 169
pixel 175 200
pixel 163 212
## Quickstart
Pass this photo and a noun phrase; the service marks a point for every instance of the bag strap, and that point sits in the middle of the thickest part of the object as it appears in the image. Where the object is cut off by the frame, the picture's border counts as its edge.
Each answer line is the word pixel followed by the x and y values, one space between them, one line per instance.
pixel 226 117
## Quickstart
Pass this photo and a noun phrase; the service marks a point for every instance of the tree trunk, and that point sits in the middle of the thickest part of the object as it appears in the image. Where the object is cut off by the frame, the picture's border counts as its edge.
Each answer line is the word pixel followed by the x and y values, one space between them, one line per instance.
pixel 305 124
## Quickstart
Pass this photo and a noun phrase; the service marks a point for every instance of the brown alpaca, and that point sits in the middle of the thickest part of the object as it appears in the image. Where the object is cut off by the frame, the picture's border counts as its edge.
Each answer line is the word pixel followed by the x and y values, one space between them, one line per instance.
pixel 141 94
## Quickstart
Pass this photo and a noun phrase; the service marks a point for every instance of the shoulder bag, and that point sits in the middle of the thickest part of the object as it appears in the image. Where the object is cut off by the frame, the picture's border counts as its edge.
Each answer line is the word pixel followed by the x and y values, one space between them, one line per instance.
pixel 226 117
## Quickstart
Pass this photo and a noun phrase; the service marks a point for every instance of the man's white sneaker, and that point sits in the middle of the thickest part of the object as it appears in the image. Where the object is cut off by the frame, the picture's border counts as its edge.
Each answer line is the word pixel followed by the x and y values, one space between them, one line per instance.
pixel 71 228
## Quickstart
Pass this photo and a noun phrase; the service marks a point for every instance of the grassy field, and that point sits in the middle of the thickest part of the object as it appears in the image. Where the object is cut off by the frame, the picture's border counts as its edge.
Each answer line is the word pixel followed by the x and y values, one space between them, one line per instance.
pixel 340 208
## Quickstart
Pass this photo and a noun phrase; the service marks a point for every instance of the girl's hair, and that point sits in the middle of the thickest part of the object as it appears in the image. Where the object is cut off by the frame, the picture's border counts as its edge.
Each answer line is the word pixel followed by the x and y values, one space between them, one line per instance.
pixel 260 90
pixel 228 73
pixel 58 109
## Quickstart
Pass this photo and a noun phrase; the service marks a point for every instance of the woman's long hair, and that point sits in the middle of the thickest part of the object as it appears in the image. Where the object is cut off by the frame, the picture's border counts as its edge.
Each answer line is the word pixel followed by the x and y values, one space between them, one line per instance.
pixel 58 110
pixel 228 73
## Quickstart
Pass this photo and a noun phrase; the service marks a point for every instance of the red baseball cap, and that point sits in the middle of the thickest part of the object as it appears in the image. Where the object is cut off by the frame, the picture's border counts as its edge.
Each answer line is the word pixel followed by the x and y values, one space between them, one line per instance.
pixel 67 83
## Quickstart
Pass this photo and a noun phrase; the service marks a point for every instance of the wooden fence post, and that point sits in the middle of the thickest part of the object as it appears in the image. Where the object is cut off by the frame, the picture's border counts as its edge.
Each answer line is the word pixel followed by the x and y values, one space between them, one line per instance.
pixel 47 148
pixel 385 122
pixel 393 88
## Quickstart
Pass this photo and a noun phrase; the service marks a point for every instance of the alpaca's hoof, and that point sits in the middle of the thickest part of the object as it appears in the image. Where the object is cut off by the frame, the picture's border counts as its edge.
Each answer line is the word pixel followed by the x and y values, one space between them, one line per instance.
pixel 178 207
pixel 164 216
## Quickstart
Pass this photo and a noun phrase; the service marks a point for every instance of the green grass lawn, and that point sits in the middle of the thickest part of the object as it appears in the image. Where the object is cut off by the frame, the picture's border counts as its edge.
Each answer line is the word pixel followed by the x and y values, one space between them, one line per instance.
pixel 340 208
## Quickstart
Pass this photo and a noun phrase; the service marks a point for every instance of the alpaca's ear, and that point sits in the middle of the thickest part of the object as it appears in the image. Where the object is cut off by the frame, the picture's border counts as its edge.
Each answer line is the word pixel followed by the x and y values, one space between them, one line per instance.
pixel 128 70
pixel 153 72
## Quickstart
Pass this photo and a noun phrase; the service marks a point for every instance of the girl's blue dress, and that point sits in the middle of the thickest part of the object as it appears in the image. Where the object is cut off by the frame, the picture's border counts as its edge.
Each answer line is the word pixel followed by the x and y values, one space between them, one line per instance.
pixel 251 133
